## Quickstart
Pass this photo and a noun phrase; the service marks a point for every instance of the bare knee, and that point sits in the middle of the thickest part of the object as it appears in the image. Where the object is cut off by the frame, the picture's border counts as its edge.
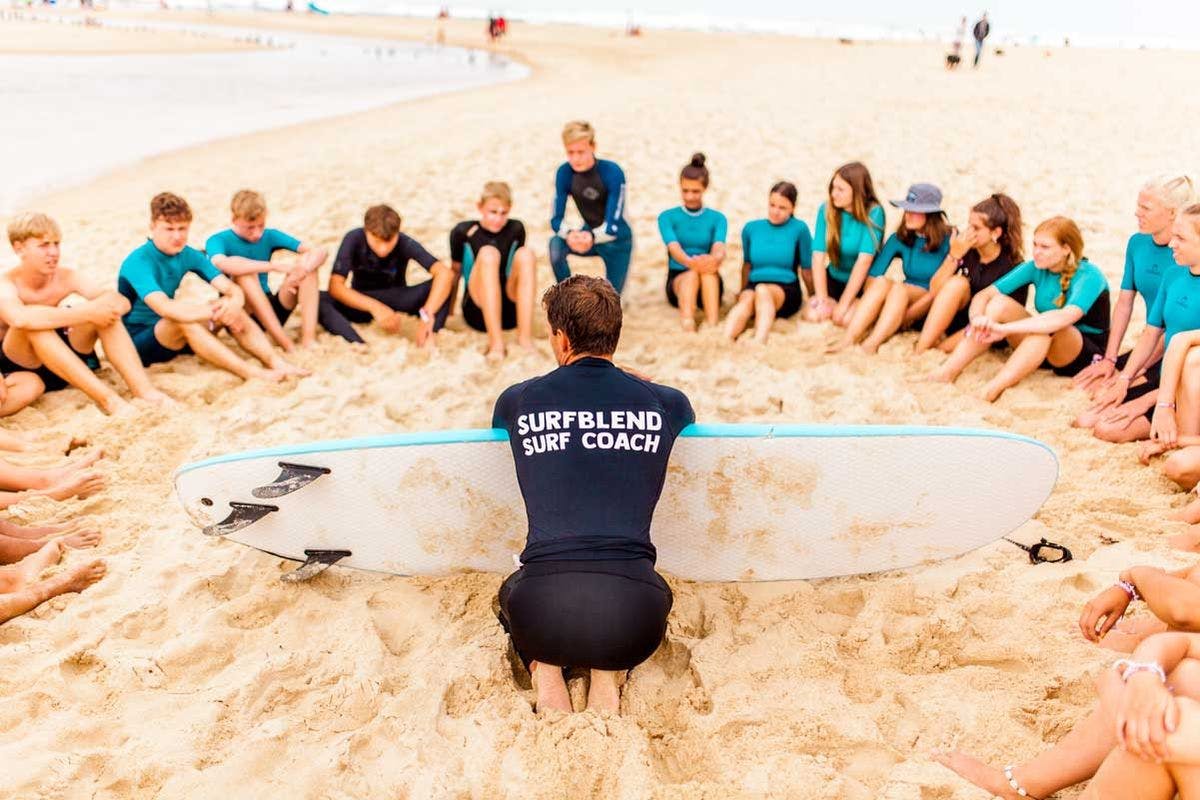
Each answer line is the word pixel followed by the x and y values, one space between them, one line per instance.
pixel 1179 469
pixel 1185 678
pixel 958 286
pixel 1110 432
pixel 688 281
pixel 489 255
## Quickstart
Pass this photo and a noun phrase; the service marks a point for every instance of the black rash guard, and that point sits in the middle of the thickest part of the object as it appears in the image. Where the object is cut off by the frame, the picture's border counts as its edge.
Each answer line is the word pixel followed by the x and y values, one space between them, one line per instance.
pixel 591 445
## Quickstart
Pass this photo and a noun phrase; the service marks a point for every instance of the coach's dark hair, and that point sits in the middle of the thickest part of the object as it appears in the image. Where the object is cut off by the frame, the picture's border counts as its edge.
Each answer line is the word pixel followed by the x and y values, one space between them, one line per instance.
pixel 588 311
pixel 695 170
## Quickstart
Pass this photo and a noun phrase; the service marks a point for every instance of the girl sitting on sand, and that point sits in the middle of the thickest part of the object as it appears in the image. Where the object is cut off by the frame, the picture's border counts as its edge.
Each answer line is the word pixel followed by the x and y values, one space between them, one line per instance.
pixel 1071 323
pixel 1136 742
pixel 772 250
pixel 921 242
pixel 988 248
pixel 1125 393
pixel 848 235
pixel 695 240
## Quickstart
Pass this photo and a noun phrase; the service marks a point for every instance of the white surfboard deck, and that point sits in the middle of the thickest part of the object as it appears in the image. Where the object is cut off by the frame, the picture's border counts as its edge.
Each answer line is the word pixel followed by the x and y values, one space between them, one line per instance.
pixel 741 502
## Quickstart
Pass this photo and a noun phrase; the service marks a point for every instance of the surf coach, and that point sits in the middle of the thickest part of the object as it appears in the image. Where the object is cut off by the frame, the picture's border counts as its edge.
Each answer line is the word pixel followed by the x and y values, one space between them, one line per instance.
pixel 591 443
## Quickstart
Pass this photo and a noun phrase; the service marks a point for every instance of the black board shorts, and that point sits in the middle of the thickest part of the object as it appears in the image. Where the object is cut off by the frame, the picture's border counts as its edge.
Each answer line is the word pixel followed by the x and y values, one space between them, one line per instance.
pixel 673 298
pixel 50 379
pixel 1093 344
pixel 793 297
pixel 609 615
pixel 473 314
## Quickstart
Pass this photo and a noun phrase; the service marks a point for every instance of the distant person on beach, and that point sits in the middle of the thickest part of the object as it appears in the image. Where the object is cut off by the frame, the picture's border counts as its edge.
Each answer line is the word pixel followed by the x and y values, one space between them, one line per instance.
pixel 921 242
pixel 1071 320
pixel 598 188
pixel 986 250
pixel 370 281
pixel 981 31
pixel 1126 386
pixel 243 251
pixel 163 327
pixel 499 270
pixel 59 342
pixel 591 443
pixel 695 238
pixel 774 250
pixel 954 57
pixel 1126 746
pixel 849 232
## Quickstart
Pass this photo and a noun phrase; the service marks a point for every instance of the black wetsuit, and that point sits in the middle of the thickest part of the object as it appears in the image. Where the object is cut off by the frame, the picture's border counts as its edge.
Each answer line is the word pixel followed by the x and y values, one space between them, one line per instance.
pixel 384 279
pixel 466 240
pixel 980 276
pixel 591 445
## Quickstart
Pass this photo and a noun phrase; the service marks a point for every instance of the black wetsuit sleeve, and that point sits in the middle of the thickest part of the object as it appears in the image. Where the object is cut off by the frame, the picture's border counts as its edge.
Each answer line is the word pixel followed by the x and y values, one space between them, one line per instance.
pixel 343 264
pixel 518 233
pixel 458 241
pixel 502 413
pixel 679 409
pixel 410 249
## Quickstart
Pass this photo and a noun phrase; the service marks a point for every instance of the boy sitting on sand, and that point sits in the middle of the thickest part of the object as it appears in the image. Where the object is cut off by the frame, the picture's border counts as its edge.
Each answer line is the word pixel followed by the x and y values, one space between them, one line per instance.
pixel 162 327
pixel 243 252
pixel 370 280
pixel 54 341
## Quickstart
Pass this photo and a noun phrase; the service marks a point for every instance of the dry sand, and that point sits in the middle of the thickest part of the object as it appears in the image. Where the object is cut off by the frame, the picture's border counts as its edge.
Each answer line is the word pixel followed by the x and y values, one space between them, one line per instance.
pixel 190 671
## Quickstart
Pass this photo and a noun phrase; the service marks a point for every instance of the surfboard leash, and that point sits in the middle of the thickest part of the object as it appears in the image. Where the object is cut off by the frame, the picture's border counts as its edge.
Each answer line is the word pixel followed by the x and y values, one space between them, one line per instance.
pixel 1044 552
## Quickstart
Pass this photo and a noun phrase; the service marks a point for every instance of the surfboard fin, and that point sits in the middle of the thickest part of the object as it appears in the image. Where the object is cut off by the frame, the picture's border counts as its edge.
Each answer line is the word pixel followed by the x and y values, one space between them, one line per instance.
pixel 318 561
pixel 291 478
pixel 240 515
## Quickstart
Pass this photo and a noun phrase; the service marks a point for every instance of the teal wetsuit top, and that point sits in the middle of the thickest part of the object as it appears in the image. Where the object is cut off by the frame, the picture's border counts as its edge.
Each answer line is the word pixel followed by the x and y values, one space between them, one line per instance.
pixel 775 252
pixel 919 263
pixel 1146 264
pixel 1177 305
pixel 148 270
pixel 228 243
pixel 1088 285
pixel 695 231
pixel 857 239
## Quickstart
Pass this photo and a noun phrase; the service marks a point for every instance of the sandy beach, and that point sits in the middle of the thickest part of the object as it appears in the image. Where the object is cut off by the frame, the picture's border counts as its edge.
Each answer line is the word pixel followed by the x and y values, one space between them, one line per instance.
pixel 191 671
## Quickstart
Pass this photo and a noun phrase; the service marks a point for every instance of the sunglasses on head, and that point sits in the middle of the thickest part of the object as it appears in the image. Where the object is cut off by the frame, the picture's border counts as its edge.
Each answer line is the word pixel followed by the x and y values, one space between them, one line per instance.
pixel 1044 552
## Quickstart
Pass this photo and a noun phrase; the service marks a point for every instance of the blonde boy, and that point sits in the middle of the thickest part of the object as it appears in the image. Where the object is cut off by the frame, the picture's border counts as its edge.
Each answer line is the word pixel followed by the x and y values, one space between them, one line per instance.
pixel 56 341
pixel 243 252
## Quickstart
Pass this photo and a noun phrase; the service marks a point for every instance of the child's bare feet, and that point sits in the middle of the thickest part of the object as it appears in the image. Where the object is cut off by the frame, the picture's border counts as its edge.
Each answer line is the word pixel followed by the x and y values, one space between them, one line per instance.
pixel 81 540
pixel 81 484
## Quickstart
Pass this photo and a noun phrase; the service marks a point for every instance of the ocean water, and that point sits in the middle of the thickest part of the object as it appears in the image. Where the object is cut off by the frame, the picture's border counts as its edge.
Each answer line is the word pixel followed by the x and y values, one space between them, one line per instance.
pixel 69 118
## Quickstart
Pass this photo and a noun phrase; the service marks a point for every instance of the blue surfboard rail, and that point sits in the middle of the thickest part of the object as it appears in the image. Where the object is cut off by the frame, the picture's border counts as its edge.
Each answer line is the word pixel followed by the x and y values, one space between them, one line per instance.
pixel 701 431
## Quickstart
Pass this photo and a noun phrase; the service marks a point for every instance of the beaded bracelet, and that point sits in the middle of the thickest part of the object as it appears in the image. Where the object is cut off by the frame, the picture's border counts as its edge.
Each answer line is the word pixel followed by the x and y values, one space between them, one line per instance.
pixel 1130 590
pixel 1132 668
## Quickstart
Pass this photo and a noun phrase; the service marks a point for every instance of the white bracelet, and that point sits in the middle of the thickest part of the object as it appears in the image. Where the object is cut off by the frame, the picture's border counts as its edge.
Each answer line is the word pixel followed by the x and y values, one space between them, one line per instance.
pixel 1130 590
pixel 1016 787
pixel 1132 668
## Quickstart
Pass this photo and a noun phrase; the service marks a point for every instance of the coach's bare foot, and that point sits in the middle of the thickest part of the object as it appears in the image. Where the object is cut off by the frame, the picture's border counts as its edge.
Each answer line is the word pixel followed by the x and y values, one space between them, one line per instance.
pixel 550 687
pixel 986 777
pixel 604 694
pixel 80 483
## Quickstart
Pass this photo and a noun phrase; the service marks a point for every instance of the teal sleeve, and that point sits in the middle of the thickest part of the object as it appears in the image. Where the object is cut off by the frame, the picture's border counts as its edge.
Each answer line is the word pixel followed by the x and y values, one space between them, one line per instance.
pixel 199 264
pixel 746 245
pixel 819 231
pixel 874 237
pixel 215 246
pixel 887 254
pixel 1155 317
pixel 141 277
pixel 1127 278
pixel 1018 276
pixel 666 229
pixel 806 246
pixel 281 241
pixel 1085 289
pixel 722 231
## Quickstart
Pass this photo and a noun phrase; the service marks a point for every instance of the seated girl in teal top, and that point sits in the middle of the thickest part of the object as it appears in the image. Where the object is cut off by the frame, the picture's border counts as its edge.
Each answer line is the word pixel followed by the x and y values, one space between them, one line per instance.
pixel 1121 409
pixel 1176 414
pixel 921 242
pixel 849 233
pixel 1072 319
pixel 772 250
pixel 695 240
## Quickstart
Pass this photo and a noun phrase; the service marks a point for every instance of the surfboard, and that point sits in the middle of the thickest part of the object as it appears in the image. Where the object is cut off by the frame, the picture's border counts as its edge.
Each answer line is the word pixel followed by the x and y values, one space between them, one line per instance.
pixel 741 502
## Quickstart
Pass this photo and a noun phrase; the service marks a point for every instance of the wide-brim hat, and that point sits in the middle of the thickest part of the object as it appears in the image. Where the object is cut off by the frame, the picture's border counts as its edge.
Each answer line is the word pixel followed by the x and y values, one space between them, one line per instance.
pixel 922 198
